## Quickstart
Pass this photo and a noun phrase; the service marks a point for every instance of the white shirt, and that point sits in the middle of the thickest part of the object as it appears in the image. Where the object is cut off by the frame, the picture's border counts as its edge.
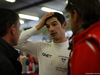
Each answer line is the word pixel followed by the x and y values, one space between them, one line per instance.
pixel 53 57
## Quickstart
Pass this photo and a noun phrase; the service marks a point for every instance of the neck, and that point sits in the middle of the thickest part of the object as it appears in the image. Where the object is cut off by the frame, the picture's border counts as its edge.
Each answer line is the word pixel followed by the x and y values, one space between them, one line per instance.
pixel 7 40
pixel 79 28
pixel 60 40
pixel 79 31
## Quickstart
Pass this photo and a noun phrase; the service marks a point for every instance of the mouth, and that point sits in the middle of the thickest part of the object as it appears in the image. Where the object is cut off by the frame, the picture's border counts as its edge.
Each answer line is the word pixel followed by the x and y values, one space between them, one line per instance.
pixel 53 34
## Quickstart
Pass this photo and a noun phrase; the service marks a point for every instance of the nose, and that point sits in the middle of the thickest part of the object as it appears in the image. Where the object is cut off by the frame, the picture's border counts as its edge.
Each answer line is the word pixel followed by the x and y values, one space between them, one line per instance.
pixel 51 28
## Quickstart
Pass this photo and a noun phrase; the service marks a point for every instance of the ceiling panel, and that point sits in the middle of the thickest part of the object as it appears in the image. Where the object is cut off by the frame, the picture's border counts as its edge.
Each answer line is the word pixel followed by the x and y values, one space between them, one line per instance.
pixel 33 7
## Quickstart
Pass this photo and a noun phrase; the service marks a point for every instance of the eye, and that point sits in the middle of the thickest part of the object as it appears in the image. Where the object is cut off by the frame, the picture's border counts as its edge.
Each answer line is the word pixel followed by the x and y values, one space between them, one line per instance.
pixel 54 24
pixel 47 26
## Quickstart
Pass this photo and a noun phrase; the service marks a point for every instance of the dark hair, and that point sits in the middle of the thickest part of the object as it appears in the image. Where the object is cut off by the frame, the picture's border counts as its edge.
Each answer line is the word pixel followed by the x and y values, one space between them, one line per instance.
pixel 7 19
pixel 88 10
pixel 59 16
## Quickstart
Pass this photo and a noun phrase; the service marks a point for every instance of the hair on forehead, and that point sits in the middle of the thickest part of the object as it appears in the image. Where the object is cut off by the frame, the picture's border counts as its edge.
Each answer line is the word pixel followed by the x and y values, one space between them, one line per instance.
pixel 59 17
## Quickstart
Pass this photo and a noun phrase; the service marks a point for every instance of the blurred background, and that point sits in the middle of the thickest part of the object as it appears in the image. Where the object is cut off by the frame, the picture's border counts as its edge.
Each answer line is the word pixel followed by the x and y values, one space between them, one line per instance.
pixel 31 12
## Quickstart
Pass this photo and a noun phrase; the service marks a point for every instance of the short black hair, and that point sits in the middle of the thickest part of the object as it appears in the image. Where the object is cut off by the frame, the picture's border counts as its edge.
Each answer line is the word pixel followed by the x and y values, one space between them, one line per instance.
pixel 59 16
pixel 88 10
pixel 8 17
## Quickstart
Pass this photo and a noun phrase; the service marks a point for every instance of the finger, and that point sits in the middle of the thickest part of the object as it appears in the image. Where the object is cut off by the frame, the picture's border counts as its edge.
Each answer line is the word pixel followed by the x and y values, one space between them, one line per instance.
pixel 49 14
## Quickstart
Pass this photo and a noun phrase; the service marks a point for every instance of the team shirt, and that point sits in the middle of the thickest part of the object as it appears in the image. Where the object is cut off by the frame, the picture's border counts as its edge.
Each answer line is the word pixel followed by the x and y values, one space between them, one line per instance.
pixel 52 57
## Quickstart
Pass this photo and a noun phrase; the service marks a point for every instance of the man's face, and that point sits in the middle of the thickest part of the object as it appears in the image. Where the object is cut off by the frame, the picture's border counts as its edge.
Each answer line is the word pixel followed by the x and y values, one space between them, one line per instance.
pixel 55 29
pixel 71 21
pixel 16 33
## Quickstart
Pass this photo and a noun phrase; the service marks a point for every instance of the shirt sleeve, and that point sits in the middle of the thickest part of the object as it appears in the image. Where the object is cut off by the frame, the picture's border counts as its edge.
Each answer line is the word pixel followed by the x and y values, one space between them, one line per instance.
pixel 32 48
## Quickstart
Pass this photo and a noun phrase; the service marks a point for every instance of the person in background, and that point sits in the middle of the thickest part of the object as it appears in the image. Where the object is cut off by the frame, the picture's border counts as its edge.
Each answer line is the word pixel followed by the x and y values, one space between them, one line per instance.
pixel 25 63
pixel 36 64
pixel 84 18
pixel 52 57
pixel 30 63
pixel 9 35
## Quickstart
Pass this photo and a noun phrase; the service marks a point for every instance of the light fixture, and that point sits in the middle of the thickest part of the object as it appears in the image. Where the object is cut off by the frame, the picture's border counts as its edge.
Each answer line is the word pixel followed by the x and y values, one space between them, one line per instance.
pixel 50 10
pixel 21 21
pixel 66 1
pixel 28 17
pixel 11 1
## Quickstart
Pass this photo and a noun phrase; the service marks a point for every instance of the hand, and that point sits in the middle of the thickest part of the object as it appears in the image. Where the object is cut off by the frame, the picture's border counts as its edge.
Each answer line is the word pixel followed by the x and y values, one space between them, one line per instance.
pixel 41 24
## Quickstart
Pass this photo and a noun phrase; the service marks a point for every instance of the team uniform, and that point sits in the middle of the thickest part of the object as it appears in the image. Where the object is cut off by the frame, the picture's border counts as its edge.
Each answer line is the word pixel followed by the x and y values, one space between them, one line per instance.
pixel 53 57
pixel 85 58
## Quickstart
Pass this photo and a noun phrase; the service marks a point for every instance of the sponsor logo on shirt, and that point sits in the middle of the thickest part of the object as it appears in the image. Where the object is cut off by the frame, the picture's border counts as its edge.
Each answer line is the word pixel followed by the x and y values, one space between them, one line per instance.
pixel 61 69
pixel 63 58
pixel 46 55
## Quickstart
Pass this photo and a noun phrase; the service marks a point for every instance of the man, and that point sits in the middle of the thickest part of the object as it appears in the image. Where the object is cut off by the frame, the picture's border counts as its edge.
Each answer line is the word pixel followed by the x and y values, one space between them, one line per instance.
pixel 53 57
pixel 84 18
pixel 9 34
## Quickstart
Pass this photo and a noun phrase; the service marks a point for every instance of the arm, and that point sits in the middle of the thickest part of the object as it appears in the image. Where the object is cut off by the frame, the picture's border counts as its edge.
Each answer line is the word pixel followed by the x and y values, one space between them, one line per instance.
pixel 41 24
pixel 28 46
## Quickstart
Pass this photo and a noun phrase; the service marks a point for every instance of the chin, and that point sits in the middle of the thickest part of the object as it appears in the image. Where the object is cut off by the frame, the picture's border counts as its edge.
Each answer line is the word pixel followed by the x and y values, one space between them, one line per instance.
pixel 53 37
pixel 14 44
pixel 72 30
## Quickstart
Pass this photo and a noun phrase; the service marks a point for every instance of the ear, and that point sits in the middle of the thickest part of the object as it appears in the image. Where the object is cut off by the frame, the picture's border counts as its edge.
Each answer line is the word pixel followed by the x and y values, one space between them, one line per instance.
pixel 64 25
pixel 75 16
pixel 12 29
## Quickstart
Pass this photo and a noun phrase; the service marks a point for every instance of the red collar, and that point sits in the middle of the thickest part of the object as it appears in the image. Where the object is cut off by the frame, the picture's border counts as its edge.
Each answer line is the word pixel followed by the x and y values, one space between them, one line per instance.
pixel 86 34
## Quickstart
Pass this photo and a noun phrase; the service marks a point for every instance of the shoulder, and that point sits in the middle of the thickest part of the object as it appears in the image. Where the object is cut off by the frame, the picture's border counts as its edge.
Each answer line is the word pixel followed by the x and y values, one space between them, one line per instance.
pixel 93 41
pixel 6 67
pixel 89 45
pixel 43 43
